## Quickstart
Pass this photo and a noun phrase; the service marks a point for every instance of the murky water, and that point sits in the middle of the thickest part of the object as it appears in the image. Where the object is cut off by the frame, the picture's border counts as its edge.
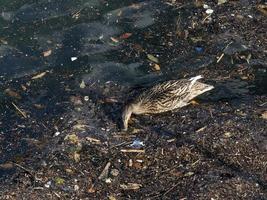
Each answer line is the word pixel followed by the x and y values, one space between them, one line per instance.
pixel 68 30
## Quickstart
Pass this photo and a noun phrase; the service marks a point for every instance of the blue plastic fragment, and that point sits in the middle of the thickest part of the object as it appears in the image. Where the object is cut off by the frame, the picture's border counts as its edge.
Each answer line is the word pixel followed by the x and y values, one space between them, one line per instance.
pixel 199 49
pixel 137 143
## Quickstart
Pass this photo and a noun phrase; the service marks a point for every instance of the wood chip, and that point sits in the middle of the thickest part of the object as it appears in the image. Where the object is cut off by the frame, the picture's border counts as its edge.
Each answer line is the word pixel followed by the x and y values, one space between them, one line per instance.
pixel 47 53
pixel 201 129
pixel 130 186
pixel 39 75
pixel 114 39
pixel 125 35
pixel 104 173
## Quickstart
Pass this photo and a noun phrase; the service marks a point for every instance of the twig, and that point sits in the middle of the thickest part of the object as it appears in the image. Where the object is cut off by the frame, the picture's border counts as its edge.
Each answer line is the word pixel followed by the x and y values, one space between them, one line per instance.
pixel 263 104
pixel 93 140
pixel 201 129
pixel 25 169
pixel 219 59
pixel 206 18
pixel 133 150
pixel 20 111
pixel 169 190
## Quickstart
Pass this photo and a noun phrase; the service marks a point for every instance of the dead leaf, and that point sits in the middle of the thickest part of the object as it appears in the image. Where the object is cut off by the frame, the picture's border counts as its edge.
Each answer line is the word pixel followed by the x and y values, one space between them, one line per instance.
pixel 138 47
pixel 82 84
pixel 111 197
pixel 221 2
pixel 47 53
pixel 264 115
pixel 72 138
pixel 262 8
pixel 156 67
pixel 76 156
pixel 7 165
pixel 23 87
pixel 12 93
pixel 114 39
pixel 39 75
pixel 152 58
pixel 91 189
pixel 69 171
pixel 194 102
pixel 125 35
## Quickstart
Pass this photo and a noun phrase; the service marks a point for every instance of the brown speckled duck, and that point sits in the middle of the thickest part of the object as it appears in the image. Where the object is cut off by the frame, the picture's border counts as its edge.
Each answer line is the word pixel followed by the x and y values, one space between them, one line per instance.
pixel 164 97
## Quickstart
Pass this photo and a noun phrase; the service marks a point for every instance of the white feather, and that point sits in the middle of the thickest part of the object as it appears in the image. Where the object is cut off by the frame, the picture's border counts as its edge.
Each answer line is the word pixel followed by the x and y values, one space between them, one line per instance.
pixel 194 79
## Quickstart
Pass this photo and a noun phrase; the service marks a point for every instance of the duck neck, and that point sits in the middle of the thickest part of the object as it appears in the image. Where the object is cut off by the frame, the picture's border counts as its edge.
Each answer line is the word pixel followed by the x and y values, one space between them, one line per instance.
pixel 127 115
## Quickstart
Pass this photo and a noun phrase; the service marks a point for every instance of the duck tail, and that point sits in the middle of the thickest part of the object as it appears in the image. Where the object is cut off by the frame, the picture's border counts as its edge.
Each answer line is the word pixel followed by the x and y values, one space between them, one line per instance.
pixel 194 79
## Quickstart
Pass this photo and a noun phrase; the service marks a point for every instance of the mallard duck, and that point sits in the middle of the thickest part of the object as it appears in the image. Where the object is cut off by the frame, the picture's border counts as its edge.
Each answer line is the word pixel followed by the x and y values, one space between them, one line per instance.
pixel 165 97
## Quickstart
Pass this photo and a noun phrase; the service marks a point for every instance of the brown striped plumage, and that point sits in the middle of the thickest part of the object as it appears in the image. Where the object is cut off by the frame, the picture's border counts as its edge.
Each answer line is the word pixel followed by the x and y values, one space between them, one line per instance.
pixel 164 97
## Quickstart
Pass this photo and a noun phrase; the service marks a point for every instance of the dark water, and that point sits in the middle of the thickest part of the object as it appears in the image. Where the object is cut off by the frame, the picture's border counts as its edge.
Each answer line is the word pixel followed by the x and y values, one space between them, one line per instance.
pixel 70 30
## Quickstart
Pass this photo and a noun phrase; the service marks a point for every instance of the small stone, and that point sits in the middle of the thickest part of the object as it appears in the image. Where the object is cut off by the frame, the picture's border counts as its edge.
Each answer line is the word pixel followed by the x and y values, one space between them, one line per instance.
pixel 56 134
pixel 130 163
pixel 76 187
pixel 205 6
pixel 86 98
pixel 209 11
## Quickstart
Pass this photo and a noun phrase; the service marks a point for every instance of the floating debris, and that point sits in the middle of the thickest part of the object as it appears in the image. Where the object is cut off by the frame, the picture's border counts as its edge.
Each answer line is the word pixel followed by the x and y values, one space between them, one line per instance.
pixel 39 75
pixel 47 53
pixel 152 58
pixel 73 58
